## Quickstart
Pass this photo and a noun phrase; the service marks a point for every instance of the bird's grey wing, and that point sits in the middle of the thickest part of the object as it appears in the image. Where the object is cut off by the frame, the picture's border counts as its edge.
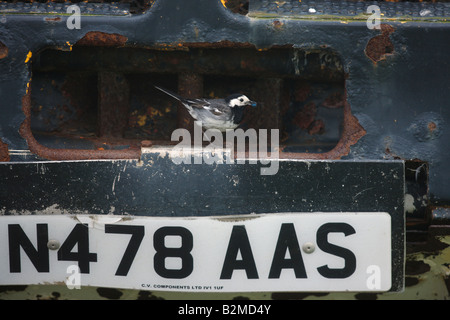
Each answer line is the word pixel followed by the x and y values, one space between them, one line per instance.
pixel 219 107
pixel 209 105
pixel 198 103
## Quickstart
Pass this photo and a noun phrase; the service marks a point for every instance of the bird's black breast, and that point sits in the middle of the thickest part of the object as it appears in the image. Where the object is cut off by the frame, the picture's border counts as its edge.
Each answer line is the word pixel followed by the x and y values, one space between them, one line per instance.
pixel 238 114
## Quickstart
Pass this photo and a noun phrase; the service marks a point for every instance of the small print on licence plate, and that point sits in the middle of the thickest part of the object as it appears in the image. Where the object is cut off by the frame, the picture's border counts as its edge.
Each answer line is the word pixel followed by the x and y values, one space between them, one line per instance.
pixel 265 252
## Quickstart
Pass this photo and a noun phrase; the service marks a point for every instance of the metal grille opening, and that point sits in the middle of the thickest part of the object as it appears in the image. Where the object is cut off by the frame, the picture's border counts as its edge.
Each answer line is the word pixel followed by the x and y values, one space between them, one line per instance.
pixel 94 99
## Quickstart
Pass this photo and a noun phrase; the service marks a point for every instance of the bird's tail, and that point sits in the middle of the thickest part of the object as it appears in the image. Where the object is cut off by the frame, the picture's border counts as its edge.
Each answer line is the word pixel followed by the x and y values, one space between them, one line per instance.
pixel 170 93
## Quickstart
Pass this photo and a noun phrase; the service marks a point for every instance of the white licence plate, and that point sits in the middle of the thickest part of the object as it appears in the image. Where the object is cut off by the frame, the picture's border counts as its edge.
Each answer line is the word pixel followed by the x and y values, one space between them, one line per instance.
pixel 267 252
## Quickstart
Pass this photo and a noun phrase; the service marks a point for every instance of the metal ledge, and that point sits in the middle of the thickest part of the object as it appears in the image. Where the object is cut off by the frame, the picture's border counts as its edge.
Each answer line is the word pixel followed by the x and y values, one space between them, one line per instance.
pixel 96 9
pixel 354 10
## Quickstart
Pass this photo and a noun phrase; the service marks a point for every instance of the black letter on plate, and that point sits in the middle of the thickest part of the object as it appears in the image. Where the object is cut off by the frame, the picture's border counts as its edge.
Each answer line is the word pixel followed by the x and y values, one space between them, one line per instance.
pixel 18 238
pixel 137 233
pixel 347 255
pixel 287 240
pixel 183 252
pixel 78 236
pixel 239 242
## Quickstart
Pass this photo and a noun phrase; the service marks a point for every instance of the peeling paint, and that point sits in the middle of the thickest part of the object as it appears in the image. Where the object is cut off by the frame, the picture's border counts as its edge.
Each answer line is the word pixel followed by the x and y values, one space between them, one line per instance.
pixel 4 152
pixel 28 58
pixel 3 50
pixel 380 46
pixel 409 203
pixel 102 39
pixel 96 221
pixel 54 209
pixel 236 218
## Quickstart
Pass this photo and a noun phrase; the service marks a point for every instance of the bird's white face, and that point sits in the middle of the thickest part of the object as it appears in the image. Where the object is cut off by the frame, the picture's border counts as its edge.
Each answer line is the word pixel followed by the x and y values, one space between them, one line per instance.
pixel 241 101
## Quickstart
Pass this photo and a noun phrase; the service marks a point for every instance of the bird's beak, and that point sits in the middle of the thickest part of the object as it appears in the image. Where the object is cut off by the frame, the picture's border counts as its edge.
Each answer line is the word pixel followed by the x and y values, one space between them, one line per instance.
pixel 253 103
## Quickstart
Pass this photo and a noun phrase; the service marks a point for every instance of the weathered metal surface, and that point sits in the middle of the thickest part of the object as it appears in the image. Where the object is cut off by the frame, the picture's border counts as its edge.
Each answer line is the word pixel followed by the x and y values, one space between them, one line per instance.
pixel 113 104
pixel 441 215
pixel 247 70
pixel 86 8
pixel 190 85
pixel 394 98
pixel 328 9
pixel 102 39
pixel 4 152
pixel 156 186
pixel 67 154
pixel 380 46
pixel 367 88
pixel 3 50
pixel 206 59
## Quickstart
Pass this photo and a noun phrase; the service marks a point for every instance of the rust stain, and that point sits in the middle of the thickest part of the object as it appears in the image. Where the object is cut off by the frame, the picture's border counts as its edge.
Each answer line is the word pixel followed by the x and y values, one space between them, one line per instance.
pixel 102 39
pixel 53 19
pixel 4 152
pixel 302 91
pixel 306 116
pixel 334 101
pixel 66 154
pixel 381 45
pixel 432 126
pixel 278 25
pixel 317 127
pixel 186 46
pixel 218 44
pixel 146 143
pixel 351 133
pixel 3 50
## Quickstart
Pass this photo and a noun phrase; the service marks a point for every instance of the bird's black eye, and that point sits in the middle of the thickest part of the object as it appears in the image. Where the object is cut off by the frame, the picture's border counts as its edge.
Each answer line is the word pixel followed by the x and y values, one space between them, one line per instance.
pixel 241 100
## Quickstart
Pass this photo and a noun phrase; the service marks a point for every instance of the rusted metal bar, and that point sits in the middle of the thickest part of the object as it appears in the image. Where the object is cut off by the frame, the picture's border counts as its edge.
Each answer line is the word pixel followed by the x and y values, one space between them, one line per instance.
pixel 113 104
pixel 268 94
pixel 190 85
pixel 102 39
pixel 4 152
pixel 66 154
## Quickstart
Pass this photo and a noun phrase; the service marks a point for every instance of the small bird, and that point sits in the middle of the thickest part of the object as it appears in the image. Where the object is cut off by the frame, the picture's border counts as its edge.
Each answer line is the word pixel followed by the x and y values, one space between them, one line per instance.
pixel 221 114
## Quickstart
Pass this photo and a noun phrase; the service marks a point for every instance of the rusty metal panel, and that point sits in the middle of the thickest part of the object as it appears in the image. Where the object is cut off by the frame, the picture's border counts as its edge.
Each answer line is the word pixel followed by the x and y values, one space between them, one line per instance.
pixel 336 89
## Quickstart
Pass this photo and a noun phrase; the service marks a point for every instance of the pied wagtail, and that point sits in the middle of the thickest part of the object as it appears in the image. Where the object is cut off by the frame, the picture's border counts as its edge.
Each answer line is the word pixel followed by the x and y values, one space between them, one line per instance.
pixel 221 114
